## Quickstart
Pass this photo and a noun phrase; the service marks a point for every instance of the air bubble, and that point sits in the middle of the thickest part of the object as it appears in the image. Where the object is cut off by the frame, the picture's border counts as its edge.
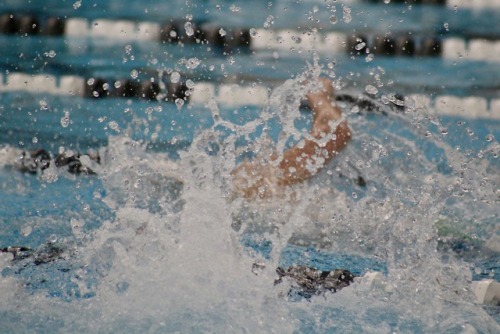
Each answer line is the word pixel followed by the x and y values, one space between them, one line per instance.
pixel 489 137
pixel 333 19
pixel 134 74
pixel 253 32
pixel 77 4
pixel 369 57
pixel 222 32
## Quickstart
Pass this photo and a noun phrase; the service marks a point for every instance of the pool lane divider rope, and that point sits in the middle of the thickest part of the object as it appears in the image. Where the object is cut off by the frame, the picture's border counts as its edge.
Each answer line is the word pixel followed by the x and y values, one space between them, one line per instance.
pixel 191 32
pixel 232 95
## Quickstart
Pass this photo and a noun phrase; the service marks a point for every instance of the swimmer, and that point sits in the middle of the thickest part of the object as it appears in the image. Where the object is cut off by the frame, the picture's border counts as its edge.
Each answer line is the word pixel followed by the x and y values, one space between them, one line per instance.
pixel 328 136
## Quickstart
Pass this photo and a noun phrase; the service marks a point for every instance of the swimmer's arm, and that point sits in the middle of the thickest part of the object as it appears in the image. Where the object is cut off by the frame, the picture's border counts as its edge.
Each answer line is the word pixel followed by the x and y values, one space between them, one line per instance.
pixel 307 158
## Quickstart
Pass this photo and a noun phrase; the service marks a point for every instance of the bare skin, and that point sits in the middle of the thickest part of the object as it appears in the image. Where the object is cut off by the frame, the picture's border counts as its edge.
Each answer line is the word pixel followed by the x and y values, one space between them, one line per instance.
pixel 254 179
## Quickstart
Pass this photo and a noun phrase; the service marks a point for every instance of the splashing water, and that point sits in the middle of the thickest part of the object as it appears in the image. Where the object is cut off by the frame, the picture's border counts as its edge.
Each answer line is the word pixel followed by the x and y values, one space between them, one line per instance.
pixel 177 252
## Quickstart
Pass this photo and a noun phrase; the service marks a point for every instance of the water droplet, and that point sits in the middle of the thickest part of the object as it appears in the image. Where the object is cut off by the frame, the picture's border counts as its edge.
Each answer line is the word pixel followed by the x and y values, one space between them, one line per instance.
pixel 192 63
pixel 26 231
pixel 371 89
pixel 114 126
pixel 354 195
pixel 269 22
pixel 52 239
pixel 235 9
pixel 175 77
pixel 360 46
pixel 355 109
pixel 444 131
pixel 90 81
pixel 117 84
pixel 333 19
pixel 65 119
pixel 489 137
pixel 347 14
pixel 189 29
pixel 189 83
pixel 179 103
pixel 296 39
pixel 43 105
pixel 50 54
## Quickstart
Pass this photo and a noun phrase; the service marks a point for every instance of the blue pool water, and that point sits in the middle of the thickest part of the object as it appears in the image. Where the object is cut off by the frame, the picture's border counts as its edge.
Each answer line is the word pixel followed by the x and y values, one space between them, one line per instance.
pixel 152 243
